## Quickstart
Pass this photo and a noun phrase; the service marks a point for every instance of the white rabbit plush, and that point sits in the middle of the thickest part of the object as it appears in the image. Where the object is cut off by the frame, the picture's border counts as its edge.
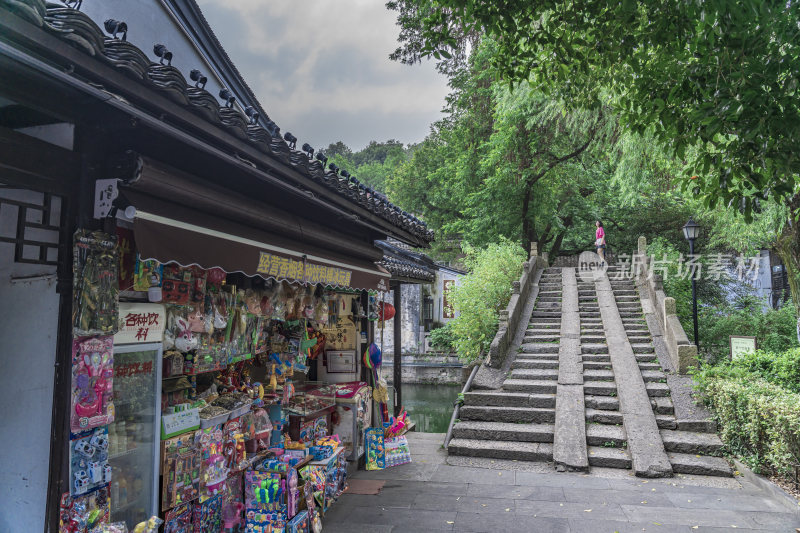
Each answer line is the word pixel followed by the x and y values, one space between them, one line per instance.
pixel 185 341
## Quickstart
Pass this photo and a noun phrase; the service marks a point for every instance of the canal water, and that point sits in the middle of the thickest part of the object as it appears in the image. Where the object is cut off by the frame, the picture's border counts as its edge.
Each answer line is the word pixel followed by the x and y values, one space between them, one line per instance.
pixel 429 406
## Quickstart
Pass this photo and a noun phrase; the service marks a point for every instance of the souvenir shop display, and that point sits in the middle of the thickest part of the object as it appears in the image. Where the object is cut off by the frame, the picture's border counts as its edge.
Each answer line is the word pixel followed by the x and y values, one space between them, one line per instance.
pixel 86 513
pixel 396 451
pixel 208 515
pixel 211 422
pixel 88 461
pixel 179 519
pixel 376 455
pixel 180 470
pixel 352 416
pixel 96 291
pixel 92 382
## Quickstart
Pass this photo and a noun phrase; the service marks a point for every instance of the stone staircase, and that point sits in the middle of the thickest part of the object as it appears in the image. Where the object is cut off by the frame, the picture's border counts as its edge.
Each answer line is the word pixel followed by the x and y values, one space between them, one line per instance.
pixel 571 400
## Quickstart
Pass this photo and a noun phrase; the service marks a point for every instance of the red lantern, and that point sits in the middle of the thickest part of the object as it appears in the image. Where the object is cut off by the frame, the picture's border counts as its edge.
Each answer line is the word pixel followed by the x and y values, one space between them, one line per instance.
pixel 385 311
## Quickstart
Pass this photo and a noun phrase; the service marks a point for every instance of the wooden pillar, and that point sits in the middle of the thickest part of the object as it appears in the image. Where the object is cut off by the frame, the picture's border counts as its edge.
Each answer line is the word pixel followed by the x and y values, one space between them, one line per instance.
pixel 398 350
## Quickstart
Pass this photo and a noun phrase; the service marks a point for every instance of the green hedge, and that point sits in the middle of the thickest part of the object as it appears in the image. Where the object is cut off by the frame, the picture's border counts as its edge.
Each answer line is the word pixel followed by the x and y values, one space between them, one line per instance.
pixel 759 421
pixel 481 295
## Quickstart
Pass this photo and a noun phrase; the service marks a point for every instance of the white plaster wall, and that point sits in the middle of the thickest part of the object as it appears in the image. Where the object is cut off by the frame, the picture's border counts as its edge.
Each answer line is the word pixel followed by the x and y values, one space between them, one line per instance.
pixel 28 325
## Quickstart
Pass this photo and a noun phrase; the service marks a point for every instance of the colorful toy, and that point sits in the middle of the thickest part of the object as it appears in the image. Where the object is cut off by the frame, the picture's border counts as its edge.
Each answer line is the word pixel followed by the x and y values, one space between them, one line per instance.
pixel 208 515
pixel 82 514
pixel 397 425
pixel 92 383
pixel 264 491
pixel 181 470
pixel 374 440
pixel 150 525
pixel 232 516
pixel 298 524
pixel 89 467
pixel 179 519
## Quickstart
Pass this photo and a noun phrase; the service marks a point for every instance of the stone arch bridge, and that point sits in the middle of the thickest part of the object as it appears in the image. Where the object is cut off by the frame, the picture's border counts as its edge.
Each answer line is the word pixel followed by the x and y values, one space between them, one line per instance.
pixel 588 370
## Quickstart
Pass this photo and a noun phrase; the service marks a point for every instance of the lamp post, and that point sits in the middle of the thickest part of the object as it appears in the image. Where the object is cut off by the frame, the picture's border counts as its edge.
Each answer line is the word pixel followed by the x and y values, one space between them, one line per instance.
pixel 691 230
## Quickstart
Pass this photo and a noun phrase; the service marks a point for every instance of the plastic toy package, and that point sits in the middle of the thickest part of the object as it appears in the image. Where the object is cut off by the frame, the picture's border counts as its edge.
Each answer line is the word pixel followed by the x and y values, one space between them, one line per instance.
pixel 150 525
pixel 181 470
pixel 84 514
pixel 212 467
pixel 376 458
pixel 264 491
pixel 208 515
pixel 92 383
pixel 88 462
pixel 179 519
pixel 95 309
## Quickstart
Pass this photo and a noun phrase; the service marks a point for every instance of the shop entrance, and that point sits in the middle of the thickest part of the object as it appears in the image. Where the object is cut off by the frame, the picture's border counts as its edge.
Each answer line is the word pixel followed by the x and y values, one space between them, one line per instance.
pixel 29 305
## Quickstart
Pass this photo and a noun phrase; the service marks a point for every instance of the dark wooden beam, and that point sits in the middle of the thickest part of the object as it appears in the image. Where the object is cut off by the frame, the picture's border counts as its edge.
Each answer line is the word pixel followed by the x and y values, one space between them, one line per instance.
pixel 28 162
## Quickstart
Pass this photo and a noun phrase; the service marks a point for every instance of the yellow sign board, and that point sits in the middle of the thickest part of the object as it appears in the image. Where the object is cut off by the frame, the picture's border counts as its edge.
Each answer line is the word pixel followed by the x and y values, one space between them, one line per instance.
pixel 742 345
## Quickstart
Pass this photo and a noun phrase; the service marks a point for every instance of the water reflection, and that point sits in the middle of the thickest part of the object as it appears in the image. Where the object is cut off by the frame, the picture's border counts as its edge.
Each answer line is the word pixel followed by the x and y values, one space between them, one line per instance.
pixel 430 406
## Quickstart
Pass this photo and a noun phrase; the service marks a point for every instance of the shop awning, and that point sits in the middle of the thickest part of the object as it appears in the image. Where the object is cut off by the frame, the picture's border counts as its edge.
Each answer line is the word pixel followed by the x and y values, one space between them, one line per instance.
pixel 172 233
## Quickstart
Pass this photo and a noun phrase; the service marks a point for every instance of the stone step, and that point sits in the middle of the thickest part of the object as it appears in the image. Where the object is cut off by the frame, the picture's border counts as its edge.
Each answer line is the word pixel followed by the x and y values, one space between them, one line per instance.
pixel 598 375
pixel 636 332
pixel 609 457
pixel 690 442
pixel 546 314
pixel 605 435
pixel 542 331
pixel 593 339
pixel 549 298
pixel 535 374
pixel 594 348
pixel 641 347
pixel 595 365
pixel 657 389
pixel 538 323
pixel 601 403
pixel 666 422
pixel 662 405
pixel 630 314
pixel 518 451
pixel 535 363
pixel 589 314
pixel 537 356
pixel 539 348
pixel 649 366
pixel 697 426
pixel 653 375
pixel 598 416
pixel 491 413
pixel 639 339
pixel 527 385
pixel 596 357
pixel 541 338
pixel 476 430
pixel 509 399
pixel 645 357
pixel 704 465
pixel 600 388
pixel 626 296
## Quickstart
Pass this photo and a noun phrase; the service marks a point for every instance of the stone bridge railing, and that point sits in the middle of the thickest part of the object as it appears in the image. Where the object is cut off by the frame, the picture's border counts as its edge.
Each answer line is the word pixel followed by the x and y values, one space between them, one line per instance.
pixel 510 316
pixel 682 352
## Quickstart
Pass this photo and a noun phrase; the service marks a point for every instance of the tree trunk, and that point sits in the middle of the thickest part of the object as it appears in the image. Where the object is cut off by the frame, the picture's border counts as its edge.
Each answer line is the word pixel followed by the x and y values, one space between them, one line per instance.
pixel 788 248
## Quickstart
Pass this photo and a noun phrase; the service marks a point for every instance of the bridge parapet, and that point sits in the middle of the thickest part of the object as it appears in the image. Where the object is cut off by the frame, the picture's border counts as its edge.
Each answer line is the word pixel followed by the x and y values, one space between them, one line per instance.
pixel 682 353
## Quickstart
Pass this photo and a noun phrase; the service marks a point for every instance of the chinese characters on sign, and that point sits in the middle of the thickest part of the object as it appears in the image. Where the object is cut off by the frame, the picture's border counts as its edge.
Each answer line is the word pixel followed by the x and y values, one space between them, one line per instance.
pixel 742 345
pixel 140 323
pixel 284 268
pixel 713 267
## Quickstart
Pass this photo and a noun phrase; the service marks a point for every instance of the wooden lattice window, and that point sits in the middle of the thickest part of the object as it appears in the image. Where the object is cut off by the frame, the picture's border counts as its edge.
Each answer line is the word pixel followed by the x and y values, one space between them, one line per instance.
pixel 31 221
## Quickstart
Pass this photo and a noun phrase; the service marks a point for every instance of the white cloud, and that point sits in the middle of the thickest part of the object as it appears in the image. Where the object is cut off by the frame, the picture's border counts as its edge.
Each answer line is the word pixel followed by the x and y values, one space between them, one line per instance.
pixel 321 70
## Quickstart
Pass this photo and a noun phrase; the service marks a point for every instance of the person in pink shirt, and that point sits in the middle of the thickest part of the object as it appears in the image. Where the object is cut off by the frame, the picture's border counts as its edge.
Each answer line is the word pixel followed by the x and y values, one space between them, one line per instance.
pixel 600 242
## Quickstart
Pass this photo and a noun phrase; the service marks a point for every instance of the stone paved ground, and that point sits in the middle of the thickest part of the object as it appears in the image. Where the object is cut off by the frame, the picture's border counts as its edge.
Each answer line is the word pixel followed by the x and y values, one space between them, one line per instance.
pixel 437 493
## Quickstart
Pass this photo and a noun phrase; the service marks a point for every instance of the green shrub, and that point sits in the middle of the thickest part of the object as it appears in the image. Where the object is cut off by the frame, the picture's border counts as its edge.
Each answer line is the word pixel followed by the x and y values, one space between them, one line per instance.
pixel 782 369
pixel 482 294
pixel 774 329
pixel 442 337
pixel 759 421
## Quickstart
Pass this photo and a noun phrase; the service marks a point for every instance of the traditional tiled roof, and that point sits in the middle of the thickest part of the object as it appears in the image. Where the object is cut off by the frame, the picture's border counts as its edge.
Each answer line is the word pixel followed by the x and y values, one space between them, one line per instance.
pixel 79 29
pixel 406 269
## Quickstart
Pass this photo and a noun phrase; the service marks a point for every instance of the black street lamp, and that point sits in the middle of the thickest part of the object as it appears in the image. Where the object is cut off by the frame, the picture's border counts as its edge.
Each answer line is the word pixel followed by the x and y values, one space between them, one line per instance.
pixel 691 230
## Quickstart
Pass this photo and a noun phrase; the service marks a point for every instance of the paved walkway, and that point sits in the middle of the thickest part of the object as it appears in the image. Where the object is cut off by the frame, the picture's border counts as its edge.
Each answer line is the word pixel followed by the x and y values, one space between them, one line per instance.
pixel 472 494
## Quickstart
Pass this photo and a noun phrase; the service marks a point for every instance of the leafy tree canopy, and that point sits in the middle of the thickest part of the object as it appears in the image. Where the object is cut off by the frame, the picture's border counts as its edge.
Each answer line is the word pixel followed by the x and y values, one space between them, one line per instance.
pixel 715 83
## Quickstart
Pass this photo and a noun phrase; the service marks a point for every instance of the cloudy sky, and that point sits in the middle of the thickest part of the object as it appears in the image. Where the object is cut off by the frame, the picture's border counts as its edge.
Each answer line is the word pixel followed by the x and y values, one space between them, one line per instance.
pixel 320 69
